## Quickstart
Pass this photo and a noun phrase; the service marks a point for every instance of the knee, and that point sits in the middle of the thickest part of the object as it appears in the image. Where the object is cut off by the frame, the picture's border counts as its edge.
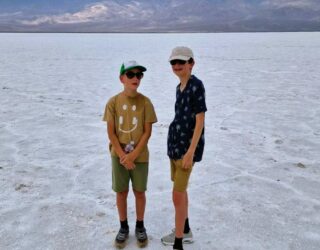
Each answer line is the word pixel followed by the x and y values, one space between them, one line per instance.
pixel 178 198
pixel 122 195
pixel 139 195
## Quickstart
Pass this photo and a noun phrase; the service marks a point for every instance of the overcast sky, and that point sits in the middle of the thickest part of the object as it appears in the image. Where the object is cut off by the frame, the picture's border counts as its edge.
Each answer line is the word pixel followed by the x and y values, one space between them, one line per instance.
pixel 159 16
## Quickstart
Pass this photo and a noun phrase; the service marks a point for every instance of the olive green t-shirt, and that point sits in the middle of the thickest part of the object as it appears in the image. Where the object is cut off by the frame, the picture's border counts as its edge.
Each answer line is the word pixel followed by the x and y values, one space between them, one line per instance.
pixel 129 115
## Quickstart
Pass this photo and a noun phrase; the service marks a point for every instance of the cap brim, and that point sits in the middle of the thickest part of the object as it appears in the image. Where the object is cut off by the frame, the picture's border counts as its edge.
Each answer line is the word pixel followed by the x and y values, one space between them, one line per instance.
pixel 136 67
pixel 185 58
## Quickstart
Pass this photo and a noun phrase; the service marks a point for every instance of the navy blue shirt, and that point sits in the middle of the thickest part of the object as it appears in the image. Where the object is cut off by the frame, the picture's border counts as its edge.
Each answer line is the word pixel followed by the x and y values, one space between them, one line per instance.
pixel 189 102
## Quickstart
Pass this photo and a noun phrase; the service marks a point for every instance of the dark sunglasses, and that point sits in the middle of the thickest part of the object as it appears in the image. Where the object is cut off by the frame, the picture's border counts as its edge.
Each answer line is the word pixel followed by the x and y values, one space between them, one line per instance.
pixel 131 74
pixel 177 61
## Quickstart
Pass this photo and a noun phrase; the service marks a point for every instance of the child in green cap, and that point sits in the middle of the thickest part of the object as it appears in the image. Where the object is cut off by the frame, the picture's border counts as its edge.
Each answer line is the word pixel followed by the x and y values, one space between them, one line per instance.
pixel 129 116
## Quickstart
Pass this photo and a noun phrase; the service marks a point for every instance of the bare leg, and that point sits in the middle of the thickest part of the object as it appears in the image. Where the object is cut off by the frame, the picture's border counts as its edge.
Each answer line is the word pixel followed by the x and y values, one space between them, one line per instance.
pixel 180 205
pixel 122 205
pixel 140 204
pixel 187 205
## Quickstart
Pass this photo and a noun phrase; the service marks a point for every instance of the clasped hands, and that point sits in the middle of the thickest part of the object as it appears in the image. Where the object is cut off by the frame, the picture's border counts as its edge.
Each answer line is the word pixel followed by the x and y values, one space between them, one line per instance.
pixel 127 160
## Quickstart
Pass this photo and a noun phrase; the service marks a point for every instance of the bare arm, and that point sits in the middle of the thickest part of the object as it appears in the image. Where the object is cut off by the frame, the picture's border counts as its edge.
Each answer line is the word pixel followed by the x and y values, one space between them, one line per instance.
pixel 116 144
pixel 187 160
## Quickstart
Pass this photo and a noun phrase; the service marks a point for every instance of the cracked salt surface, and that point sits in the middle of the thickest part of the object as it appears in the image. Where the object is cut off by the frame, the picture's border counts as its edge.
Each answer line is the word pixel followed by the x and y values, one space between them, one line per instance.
pixel 256 188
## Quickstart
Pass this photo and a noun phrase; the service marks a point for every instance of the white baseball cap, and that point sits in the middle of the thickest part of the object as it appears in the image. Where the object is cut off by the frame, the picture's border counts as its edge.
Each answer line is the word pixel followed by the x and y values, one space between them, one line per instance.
pixel 181 53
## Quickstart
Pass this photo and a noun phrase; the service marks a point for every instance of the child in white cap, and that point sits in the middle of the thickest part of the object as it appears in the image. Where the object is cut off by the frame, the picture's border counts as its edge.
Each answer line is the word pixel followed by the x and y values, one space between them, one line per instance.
pixel 185 140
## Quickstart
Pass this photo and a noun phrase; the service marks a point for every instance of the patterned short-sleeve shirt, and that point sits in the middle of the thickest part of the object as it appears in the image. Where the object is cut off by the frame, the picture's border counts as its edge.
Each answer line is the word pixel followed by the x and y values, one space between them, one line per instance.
pixel 189 103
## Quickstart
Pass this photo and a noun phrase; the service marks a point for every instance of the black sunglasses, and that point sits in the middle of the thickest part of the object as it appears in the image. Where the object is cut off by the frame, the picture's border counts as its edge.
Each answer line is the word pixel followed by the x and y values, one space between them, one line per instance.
pixel 131 74
pixel 178 61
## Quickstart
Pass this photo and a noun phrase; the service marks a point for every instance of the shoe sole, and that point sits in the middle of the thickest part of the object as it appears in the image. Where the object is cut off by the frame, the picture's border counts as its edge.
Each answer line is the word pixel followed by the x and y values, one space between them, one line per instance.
pixel 121 245
pixel 142 244
pixel 184 241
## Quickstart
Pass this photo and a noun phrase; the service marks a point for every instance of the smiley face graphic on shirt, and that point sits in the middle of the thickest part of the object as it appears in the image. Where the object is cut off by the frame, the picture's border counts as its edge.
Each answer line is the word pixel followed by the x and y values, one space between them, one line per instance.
pixel 134 122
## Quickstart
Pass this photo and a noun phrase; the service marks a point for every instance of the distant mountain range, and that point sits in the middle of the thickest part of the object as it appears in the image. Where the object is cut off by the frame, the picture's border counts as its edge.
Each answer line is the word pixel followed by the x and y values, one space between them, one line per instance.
pixel 159 16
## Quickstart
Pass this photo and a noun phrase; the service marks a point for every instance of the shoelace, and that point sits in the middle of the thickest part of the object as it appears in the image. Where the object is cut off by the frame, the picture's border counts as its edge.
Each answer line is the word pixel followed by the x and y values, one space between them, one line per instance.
pixel 121 236
pixel 141 235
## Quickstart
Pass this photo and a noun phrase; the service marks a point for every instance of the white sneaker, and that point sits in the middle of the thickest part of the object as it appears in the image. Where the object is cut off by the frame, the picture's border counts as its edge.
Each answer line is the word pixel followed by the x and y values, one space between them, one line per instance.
pixel 168 240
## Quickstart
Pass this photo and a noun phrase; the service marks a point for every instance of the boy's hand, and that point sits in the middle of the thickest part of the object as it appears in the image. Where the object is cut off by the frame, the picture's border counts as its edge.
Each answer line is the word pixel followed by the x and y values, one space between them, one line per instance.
pixel 187 160
pixel 127 161
pixel 129 165
pixel 130 157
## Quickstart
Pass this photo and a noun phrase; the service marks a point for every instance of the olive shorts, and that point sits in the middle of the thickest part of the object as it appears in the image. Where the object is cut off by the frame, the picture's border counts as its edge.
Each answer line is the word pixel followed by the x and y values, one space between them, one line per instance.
pixel 179 176
pixel 121 176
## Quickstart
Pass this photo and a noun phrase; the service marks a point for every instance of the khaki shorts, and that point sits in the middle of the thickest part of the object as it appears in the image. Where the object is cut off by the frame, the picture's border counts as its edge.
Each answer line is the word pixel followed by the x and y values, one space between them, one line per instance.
pixel 179 176
pixel 121 176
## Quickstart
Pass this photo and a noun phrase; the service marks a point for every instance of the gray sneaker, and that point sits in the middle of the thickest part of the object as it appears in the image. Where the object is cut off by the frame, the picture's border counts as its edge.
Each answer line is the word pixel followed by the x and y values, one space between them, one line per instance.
pixel 168 240
pixel 142 237
pixel 121 238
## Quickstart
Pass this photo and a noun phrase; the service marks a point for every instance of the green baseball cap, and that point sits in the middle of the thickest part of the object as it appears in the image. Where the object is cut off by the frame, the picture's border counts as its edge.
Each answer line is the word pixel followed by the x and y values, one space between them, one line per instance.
pixel 131 65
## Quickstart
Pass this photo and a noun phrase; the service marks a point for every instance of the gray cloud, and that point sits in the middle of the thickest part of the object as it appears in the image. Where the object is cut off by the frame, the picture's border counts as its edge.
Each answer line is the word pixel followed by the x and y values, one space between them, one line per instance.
pixel 299 4
pixel 14 14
